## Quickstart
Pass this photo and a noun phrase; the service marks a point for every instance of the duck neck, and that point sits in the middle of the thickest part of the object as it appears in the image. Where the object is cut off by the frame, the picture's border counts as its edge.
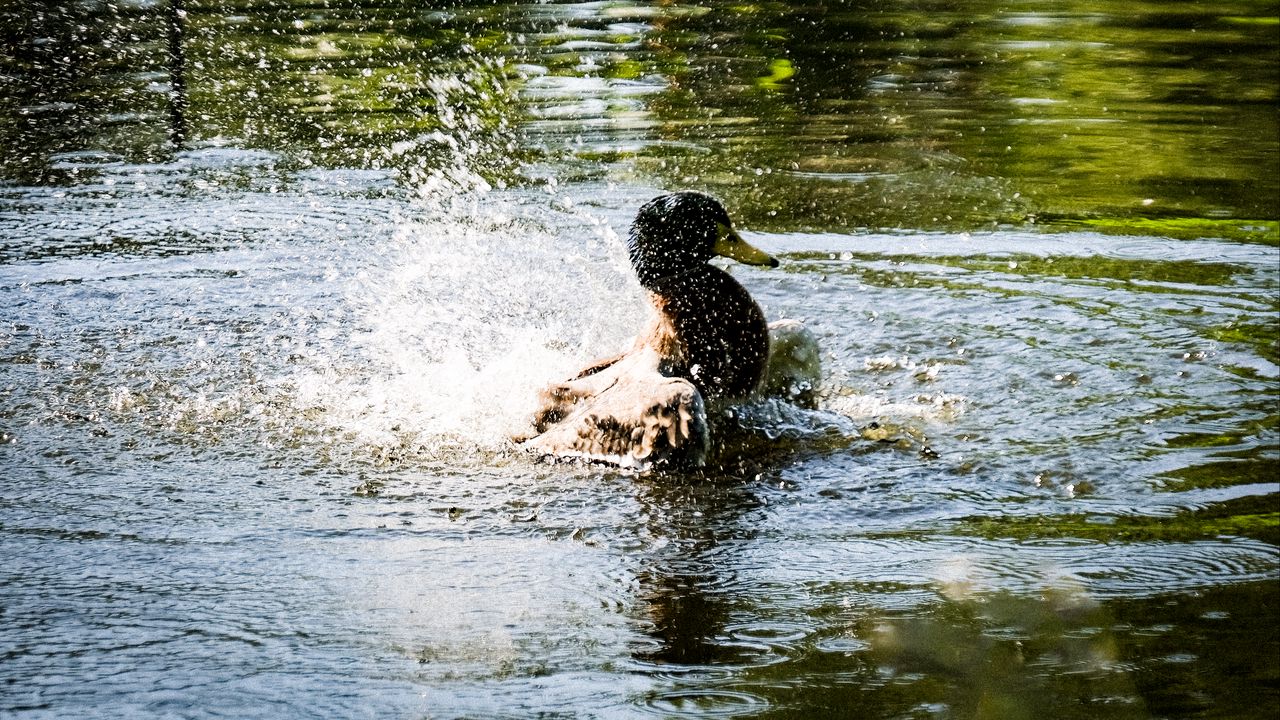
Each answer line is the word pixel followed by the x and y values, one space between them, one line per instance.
pixel 659 279
pixel 664 282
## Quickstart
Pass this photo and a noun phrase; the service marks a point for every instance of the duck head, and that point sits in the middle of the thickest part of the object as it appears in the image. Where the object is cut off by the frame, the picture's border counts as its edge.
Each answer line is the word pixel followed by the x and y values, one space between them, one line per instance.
pixel 675 233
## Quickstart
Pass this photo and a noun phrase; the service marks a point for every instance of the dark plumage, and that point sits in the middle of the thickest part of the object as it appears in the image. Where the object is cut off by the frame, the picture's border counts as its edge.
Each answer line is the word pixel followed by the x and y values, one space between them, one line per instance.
pixel 708 340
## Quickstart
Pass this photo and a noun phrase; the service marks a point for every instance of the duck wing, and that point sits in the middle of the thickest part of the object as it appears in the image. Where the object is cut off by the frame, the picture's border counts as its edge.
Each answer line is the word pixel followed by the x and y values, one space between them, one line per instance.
pixel 624 412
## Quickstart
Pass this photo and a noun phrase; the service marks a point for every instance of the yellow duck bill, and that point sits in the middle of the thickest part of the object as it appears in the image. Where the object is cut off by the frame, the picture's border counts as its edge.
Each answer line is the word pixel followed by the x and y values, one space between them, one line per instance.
pixel 732 246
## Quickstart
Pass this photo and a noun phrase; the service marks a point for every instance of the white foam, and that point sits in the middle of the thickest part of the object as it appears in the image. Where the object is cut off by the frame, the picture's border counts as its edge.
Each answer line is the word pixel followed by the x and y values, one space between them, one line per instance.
pixel 464 315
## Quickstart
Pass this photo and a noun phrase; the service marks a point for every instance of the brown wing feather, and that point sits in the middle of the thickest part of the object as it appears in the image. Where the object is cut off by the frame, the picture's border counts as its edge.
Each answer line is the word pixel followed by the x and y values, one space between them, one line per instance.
pixel 625 413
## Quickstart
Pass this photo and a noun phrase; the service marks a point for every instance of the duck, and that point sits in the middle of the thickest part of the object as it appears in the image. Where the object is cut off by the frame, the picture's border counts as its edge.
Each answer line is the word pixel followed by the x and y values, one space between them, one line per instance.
pixel 706 344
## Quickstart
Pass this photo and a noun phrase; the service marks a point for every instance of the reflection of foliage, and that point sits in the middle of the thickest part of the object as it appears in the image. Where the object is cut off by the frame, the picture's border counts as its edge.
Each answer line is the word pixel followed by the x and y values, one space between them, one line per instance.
pixel 1253 516
pixel 72 78
pixel 958 114
pixel 834 115
pixel 337 84
pixel 1056 653
pixel 1183 228
pixel 1007 657
pixel 380 87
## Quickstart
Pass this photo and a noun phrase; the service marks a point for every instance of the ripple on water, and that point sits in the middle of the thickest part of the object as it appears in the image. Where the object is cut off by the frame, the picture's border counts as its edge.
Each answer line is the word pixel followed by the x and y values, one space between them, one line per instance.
pixel 1139 569
pixel 841 644
pixel 780 636
pixel 707 703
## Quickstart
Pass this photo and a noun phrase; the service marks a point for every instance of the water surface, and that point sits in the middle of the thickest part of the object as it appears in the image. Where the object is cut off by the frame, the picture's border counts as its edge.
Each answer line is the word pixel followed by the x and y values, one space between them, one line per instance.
pixel 260 358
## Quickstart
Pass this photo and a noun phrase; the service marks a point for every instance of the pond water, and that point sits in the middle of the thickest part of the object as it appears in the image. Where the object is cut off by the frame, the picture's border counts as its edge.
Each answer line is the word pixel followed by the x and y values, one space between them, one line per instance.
pixel 279 279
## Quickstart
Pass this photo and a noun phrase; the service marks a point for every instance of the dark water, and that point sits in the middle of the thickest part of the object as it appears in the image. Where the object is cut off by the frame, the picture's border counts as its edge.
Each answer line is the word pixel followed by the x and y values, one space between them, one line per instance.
pixel 267 328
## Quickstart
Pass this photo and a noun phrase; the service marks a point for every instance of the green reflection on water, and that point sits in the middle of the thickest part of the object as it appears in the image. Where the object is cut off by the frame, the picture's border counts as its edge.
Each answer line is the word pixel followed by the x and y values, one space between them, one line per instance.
pixel 1207 274
pixel 1185 228
pixel 1223 473
pixel 332 84
pixel 1131 117
pixel 952 114
pixel 1060 654
pixel 1254 517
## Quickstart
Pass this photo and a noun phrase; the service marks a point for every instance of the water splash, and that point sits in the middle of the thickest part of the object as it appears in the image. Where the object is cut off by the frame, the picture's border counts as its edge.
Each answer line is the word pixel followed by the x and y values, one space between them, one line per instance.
pixel 462 314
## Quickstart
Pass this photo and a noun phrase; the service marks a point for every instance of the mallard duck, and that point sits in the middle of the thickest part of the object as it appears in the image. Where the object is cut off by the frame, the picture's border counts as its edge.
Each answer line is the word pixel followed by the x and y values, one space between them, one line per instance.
pixel 707 342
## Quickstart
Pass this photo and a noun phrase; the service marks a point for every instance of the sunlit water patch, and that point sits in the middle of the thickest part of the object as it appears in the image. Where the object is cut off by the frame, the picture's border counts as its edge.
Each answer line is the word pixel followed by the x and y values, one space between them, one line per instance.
pixel 312 379
pixel 333 304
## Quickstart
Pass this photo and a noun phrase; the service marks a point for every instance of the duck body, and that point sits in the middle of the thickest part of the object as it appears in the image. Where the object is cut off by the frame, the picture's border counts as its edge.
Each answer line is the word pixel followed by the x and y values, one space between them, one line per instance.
pixel 709 330
pixel 707 341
